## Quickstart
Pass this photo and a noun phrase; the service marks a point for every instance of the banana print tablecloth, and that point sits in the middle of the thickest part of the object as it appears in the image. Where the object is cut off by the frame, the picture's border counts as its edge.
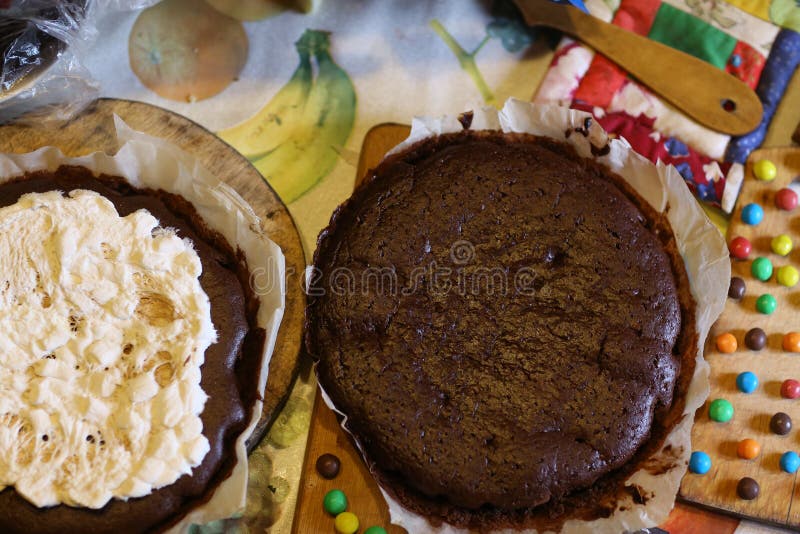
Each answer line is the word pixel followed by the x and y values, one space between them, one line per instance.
pixel 296 90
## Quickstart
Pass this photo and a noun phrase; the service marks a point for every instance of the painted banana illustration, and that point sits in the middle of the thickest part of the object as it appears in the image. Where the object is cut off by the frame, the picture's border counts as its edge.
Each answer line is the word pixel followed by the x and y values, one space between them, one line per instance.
pixel 294 141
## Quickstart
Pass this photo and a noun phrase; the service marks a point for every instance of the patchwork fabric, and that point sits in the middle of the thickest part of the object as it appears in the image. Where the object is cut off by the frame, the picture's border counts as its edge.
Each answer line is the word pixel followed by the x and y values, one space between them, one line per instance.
pixel 759 53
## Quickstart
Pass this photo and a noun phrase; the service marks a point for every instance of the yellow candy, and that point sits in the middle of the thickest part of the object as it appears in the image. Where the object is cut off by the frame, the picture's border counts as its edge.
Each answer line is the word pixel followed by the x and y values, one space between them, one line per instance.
pixel 765 170
pixel 787 276
pixel 346 523
pixel 782 244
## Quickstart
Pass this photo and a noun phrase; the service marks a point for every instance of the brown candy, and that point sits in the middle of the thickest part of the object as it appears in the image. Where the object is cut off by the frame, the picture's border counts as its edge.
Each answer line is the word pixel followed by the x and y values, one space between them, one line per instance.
pixel 755 339
pixel 736 289
pixel 780 424
pixel 747 489
pixel 328 466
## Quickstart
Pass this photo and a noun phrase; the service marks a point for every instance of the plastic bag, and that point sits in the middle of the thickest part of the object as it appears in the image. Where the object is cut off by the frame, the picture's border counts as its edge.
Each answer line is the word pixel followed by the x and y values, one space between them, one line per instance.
pixel 42 46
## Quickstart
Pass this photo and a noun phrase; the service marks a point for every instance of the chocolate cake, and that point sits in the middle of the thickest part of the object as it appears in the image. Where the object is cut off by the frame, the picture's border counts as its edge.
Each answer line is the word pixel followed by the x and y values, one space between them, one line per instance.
pixel 507 327
pixel 229 373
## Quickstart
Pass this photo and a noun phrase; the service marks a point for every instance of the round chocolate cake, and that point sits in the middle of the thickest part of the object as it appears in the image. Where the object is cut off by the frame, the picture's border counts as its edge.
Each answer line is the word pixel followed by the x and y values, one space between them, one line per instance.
pixel 506 325
pixel 229 372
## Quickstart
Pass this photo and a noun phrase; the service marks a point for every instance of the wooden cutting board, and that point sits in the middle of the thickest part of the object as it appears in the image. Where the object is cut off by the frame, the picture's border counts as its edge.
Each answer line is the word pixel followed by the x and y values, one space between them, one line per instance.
pixel 94 130
pixel 772 365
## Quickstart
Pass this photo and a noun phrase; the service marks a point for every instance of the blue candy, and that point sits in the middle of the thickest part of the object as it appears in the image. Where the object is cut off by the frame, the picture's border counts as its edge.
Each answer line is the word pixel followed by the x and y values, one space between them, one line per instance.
pixel 752 214
pixel 790 461
pixel 700 463
pixel 747 382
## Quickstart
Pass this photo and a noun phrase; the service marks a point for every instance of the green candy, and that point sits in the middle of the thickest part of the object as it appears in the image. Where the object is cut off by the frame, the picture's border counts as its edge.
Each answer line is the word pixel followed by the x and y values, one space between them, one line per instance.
pixel 761 269
pixel 766 304
pixel 375 530
pixel 720 410
pixel 335 502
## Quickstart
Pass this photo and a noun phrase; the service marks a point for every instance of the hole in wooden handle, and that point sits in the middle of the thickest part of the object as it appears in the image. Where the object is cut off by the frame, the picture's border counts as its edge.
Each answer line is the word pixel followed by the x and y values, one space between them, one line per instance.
pixel 728 105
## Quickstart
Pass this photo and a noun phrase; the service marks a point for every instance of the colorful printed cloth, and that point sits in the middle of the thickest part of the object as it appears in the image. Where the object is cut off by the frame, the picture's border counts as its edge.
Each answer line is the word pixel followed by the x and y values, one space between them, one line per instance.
pixel 760 53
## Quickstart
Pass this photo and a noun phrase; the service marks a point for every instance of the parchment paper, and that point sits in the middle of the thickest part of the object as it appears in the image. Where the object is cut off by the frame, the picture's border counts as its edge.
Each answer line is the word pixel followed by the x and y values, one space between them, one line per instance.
pixel 705 255
pixel 146 161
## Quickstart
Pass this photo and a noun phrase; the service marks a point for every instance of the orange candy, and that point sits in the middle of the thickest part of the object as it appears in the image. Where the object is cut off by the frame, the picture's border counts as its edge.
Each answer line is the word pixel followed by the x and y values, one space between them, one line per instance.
pixel 791 342
pixel 727 343
pixel 748 449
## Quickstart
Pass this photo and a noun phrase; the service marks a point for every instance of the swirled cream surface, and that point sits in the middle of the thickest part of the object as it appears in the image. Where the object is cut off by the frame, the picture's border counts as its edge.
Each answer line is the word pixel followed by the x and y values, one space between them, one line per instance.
pixel 103 329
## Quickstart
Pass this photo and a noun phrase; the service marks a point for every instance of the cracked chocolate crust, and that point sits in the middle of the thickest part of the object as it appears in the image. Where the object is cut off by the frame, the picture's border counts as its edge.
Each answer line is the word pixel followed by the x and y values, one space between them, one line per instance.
pixel 488 405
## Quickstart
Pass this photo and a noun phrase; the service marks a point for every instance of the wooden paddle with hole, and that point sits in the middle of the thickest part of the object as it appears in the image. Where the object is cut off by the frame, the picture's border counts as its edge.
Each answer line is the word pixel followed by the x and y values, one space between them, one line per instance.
pixel 710 96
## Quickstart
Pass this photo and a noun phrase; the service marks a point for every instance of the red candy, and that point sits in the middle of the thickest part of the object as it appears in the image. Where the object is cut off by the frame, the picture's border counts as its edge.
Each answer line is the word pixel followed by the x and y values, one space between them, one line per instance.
pixel 790 389
pixel 740 248
pixel 786 199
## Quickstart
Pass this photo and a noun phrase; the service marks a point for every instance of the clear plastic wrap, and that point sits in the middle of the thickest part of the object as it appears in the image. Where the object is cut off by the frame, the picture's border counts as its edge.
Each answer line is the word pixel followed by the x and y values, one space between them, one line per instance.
pixel 42 47
pixel 41 71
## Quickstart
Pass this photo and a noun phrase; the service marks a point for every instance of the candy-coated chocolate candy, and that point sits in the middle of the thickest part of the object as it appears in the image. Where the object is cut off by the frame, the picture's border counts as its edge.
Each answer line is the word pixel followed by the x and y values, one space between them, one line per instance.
pixel 740 248
pixel 766 304
pixel 720 410
pixel 727 343
pixel 761 269
pixel 765 170
pixel 747 489
pixel 748 449
pixel 699 463
pixel 791 342
pixel 747 382
pixel 752 214
pixel 786 276
pixel 328 465
pixel 375 530
pixel 781 244
pixel 737 288
pixel 786 199
pixel 780 423
pixel 790 461
pixel 755 339
pixel 346 523
pixel 790 389
pixel 335 502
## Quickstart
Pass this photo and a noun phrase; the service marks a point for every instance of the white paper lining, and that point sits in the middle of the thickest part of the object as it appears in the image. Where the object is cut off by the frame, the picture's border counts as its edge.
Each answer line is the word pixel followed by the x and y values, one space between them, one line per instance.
pixel 149 162
pixel 707 262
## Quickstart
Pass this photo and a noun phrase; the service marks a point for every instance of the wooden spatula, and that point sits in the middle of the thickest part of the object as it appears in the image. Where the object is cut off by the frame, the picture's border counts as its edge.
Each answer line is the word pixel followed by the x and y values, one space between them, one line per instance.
pixel 709 95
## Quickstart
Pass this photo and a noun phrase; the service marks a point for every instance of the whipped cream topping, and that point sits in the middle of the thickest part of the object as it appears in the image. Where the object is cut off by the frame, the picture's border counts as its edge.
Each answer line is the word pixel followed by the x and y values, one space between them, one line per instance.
pixel 103 329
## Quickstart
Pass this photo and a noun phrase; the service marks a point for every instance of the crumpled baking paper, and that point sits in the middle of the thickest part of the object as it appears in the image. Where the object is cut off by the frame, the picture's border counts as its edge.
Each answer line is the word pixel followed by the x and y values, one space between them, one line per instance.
pixel 707 262
pixel 149 162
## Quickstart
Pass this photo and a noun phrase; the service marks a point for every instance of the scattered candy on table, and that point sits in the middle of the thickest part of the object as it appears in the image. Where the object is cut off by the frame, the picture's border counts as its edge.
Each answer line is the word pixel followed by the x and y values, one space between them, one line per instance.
pixel 727 343
pixel 328 466
pixel 765 170
pixel 737 288
pixel 740 248
pixel 748 449
pixel 787 276
pixel 766 304
pixel 786 199
pixel 755 339
pixel 346 523
pixel 780 424
pixel 335 502
pixel 752 214
pixel 375 530
pixel 747 382
pixel 791 342
pixel 790 389
pixel 720 410
pixel 699 463
pixel 761 269
pixel 790 461
pixel 747 489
